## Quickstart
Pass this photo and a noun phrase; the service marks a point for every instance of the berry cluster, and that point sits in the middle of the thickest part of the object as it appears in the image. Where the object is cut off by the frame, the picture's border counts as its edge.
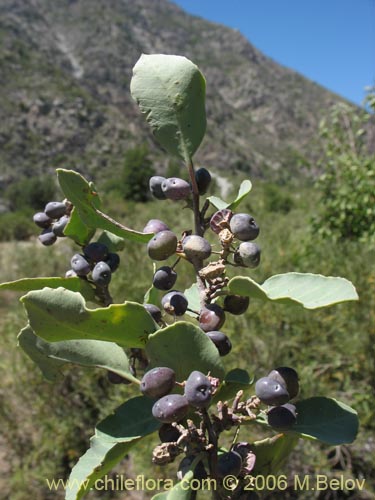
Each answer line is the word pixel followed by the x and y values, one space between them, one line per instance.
pixel 158 384
pixel 230 227
pixel 95 261
pixel 276 390
pixel 53 221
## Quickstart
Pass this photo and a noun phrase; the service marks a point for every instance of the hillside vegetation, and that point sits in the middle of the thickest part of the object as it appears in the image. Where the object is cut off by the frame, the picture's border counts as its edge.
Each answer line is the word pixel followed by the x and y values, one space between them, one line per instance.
pixel 45 426
pixel 64 98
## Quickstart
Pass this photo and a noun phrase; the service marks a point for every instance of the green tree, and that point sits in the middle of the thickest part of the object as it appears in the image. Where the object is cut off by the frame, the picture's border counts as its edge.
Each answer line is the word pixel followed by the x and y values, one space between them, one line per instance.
pixel 136 173
pixel 32 193
pixel 347 185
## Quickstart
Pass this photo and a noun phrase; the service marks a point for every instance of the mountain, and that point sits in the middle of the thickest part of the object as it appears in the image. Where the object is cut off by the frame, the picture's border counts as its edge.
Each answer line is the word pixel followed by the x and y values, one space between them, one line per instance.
pixel 65 69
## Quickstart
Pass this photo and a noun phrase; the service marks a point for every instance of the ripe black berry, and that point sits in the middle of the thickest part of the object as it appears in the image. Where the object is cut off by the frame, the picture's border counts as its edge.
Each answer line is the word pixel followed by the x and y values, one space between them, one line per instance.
pixel 164 278
pixel 175 303
pixel 236 304
pixel 282 417
pixel 221 341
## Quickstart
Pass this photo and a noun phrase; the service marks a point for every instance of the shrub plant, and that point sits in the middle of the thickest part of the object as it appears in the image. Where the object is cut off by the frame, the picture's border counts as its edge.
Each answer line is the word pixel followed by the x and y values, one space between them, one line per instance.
pixel 172 346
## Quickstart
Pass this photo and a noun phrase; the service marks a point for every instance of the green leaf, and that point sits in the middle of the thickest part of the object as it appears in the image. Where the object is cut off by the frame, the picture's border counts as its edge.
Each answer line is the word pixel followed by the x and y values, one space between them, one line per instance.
pixel 244 190
pixel 77 230
pixel 114 437
pixel 192 295
pixel 28 284
pixel 327 420
pixel 271 453
pixel 152 296
pixel 86 201
pixel 180 491
pixel 130 420
pixel 98 460
pixel 184 348
pixel 235 380
pixel 99 353
pixel 310 290
pixel 60 314
pixel 113 243
pixel 50 368
pixel 170 91
pixel 220 204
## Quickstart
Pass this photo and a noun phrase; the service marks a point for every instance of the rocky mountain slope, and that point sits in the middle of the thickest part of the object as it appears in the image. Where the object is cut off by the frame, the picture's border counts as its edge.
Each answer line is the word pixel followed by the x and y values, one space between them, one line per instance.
pixel 65 68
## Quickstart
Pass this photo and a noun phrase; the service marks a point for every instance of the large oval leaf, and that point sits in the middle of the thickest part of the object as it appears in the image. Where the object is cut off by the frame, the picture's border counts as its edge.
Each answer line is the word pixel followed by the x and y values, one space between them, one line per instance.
pixel 50 368
pixel 28 284
pixel 114 437
pixel 170 91
pixel 86 201
pixel 327 420
pixel 60 314
pixel 184 348
pixel 130 420
pixel 310 290
pixel 98 353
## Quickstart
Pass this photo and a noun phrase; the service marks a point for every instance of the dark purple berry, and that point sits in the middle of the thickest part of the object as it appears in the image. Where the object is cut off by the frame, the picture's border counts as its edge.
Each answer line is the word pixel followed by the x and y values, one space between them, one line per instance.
pixel 59 226
pixel 96 252
pixel 198 390
pixel 55 209
pixel 155 183
pixel 101 274
pixel 211 318
pixel 229 464
pixel 158 382
pixel 176 189
pixel 175 303
pixel 203 180
pixel 47 237
pixel 168 433
pixel 155 226
pixel 80 265
pixel 247 255
pixel 42 220
pixel 221 341
pixel 244 227
pixel 271 392
pixel 171 408
pixel 164 278
pixel 236 304
pixel 162 245
pixel 287 377
pixel 154 311
pixel 196 248
pixel 113 260
pixel 282 417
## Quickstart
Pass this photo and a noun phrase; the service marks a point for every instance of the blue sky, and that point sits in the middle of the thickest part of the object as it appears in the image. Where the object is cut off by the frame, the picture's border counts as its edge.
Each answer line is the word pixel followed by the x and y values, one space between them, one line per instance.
pixel 332 42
